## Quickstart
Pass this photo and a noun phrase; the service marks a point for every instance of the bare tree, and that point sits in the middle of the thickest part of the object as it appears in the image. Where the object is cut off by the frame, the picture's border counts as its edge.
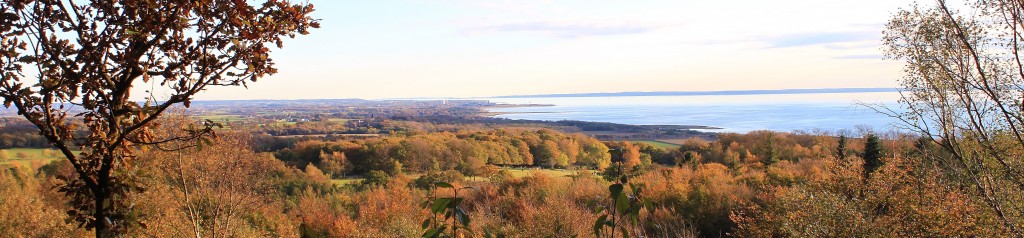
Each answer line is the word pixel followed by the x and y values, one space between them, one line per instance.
pixel 963 86
pixel 69 67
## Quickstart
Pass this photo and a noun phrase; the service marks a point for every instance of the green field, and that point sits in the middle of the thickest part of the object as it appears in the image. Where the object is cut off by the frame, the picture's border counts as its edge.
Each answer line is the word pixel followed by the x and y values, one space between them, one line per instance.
pixel 346 181
pixel 660 144
pixel 221 117
pixel 338 120
pixel 522 172
pixel 283 122
pixel 519 173
pixel 29 157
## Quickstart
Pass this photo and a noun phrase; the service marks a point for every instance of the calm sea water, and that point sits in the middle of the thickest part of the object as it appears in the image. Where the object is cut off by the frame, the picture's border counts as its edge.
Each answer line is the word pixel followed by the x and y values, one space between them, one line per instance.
pixel 732 113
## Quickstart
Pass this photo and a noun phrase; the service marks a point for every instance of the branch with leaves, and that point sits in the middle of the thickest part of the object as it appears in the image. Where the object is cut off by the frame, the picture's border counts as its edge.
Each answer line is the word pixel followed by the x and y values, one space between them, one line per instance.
pixel 622 215
pixel 447 216
pixel 71 67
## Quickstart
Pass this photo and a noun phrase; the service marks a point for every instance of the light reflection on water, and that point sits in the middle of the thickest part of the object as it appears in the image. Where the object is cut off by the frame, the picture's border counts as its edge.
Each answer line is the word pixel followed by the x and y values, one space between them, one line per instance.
pixel 734 113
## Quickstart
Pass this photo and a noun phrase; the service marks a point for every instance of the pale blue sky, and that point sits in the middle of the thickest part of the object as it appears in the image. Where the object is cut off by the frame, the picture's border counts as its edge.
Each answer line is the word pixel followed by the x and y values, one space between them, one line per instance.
pixel 460 48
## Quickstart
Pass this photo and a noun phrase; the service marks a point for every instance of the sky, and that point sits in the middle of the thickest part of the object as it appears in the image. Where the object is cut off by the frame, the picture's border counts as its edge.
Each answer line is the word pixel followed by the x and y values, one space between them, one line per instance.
pixel 459 48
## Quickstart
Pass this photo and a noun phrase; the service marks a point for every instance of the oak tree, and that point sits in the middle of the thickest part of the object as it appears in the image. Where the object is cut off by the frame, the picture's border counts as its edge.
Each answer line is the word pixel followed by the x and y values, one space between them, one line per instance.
pixel 70 68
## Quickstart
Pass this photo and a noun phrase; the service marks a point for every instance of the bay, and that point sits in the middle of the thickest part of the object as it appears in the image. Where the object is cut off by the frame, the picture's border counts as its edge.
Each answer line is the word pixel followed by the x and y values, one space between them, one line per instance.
pixel 731 113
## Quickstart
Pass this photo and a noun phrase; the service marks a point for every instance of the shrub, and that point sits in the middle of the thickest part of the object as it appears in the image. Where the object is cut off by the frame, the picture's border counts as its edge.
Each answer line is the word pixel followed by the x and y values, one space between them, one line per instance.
pixel 428 180
pixel 375 178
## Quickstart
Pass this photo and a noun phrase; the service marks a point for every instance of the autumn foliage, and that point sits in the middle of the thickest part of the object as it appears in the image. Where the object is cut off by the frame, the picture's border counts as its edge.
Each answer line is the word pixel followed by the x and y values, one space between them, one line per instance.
pixel 724 187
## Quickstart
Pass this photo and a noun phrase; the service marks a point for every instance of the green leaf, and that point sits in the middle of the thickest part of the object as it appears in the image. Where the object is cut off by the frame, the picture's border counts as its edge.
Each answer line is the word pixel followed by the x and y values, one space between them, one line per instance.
pixel 637 189
pixel 433 232
pixel 598 209
pixel 625 233
pixel 615 189
pixel 463 218
pixel 455 202
pixel 443 185
pixel 599 224
pixel 426 223
pixel 621 203
pixel 634 210
pixel 440 204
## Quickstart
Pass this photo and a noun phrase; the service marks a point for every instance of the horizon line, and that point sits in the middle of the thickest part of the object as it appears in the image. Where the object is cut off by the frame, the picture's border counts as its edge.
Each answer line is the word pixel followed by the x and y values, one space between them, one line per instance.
pixel 611 94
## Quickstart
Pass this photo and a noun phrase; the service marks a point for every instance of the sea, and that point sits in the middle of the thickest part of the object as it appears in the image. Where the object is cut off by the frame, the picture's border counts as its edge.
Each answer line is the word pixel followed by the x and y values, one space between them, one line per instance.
pixel 730 113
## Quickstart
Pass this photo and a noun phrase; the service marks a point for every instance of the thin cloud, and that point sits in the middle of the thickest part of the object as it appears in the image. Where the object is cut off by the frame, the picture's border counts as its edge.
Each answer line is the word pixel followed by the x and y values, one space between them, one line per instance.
pixel 860 57
pixel 822 38
pixel 855 45
pixel 566 30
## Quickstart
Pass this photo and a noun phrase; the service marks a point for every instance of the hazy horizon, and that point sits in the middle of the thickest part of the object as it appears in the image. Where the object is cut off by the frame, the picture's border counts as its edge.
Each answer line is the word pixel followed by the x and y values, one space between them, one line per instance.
pixel 783 91
pixel 420 49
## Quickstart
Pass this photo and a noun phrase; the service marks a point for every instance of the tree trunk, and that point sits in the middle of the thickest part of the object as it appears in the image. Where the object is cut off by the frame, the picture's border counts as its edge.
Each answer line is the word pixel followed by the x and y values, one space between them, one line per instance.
pixel 99 213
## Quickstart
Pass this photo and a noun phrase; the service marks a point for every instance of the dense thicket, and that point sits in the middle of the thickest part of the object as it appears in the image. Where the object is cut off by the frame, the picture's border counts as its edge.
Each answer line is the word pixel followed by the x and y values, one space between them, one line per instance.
pixel 726 187
pixel 467 152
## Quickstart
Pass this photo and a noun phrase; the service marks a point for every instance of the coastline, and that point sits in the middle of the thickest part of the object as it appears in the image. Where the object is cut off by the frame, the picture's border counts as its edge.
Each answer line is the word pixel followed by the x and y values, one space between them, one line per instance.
pixel 717 113
pixel 510 105
pixel 494 115
pixel 488 113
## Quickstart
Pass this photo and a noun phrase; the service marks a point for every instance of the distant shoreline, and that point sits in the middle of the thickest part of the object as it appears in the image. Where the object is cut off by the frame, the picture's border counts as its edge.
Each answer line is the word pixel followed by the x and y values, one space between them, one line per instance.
pixel 510 105
pixel 723 111
pixel 488 113
pixel 598 94
pixel 493 114
pixel 710 93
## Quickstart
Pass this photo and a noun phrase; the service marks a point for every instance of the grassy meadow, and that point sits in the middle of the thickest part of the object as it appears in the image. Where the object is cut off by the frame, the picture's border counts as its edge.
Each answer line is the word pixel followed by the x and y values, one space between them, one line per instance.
pixel 222 117
pixel 28 157
pixel 659 144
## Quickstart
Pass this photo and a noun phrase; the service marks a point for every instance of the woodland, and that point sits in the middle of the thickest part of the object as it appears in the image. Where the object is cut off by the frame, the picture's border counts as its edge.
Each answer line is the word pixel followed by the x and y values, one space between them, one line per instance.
pixel 79 156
